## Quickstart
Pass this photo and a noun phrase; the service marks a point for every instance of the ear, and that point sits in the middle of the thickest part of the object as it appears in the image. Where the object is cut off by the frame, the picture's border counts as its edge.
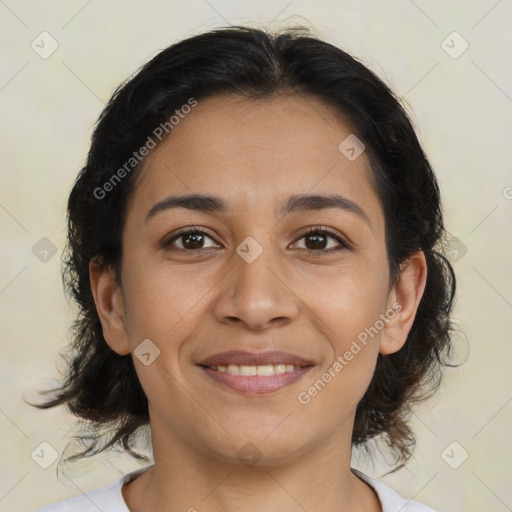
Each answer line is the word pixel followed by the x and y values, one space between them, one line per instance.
pixel 109 304
pixel 405 296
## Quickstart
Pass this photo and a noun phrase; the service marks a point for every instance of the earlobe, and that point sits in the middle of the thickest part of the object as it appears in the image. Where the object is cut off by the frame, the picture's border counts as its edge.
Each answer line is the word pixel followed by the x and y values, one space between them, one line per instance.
pixel 406 293
pixel 109 304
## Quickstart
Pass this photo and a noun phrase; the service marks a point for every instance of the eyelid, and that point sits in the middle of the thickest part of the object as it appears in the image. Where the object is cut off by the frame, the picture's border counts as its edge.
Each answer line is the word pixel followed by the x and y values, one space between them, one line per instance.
pixel 342 240
pixel 168 240
pixel 343 243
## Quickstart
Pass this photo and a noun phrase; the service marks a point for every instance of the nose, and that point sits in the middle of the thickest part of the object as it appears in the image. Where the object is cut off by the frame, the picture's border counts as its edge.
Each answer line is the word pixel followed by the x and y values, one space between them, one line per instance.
pixel 257 294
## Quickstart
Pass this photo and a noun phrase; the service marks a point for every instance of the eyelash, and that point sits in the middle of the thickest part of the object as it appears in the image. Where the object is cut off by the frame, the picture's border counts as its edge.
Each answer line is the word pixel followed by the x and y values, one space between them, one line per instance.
pixel 312 231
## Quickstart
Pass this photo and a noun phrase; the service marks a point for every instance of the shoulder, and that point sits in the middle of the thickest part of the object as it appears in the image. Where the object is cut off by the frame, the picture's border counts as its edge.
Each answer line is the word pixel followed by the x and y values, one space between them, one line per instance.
pixel 108 499
pixel 391 501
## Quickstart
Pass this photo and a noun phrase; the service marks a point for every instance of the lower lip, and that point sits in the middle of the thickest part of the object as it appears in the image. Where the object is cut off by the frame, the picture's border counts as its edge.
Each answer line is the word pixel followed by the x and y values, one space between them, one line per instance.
pixel 256 384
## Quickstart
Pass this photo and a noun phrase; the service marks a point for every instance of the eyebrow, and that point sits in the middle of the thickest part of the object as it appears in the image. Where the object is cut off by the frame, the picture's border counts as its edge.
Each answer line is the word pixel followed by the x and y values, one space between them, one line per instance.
pixel 295 203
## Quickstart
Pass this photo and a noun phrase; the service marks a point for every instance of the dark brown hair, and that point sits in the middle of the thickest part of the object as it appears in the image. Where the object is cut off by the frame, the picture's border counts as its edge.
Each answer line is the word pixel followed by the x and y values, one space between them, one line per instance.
pixel 101 387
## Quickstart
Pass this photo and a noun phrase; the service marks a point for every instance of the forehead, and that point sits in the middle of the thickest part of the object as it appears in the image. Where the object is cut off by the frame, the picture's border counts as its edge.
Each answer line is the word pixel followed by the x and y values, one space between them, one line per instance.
pixel 257 152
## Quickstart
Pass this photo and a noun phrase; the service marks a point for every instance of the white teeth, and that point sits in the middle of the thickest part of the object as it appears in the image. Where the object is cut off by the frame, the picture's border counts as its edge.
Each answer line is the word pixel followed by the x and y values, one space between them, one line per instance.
pixel 268 369
pixel 248 370
pixel 233 368
pixel 265 370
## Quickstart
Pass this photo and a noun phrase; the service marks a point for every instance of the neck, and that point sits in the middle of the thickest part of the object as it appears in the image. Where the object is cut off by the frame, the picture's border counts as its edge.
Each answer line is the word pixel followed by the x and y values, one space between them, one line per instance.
pixel 186 479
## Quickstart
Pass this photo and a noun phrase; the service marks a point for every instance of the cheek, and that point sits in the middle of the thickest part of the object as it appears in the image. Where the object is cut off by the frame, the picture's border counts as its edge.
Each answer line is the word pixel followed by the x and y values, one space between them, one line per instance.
pixel 159 304
pixel 334 392
pixel 349 301
pixel 349 309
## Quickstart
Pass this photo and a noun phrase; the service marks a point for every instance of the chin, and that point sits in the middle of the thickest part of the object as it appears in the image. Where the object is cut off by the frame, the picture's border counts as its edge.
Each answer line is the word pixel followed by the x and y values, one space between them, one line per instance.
pixel 260 447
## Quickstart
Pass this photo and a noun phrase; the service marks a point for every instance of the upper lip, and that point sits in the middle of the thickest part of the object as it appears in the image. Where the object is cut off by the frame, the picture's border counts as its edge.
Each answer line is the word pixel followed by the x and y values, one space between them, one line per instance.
pixel 243 358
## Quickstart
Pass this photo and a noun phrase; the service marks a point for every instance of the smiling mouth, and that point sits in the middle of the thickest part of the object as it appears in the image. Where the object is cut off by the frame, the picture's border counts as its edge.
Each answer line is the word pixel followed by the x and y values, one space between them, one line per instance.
pixel 261 370
pixel 257 380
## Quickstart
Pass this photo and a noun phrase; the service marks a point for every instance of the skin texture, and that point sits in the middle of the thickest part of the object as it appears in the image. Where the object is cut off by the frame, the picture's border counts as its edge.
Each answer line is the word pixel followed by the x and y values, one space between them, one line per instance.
pixel 192 304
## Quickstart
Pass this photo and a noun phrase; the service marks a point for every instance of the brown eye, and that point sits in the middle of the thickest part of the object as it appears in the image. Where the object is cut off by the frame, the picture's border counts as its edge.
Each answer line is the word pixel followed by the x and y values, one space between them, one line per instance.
pixel 317 240
pixel 191 240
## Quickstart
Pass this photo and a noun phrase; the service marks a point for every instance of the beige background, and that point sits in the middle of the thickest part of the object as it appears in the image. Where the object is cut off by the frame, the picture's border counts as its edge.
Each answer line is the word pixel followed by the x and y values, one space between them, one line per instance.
pixel 462 107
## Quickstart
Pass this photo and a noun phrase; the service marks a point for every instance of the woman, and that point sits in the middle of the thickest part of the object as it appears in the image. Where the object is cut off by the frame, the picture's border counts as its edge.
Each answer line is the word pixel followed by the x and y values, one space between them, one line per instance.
pixel 255 247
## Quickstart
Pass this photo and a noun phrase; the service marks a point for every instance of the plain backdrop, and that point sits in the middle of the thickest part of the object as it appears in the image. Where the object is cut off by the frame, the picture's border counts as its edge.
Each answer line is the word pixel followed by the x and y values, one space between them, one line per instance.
pixel 448 61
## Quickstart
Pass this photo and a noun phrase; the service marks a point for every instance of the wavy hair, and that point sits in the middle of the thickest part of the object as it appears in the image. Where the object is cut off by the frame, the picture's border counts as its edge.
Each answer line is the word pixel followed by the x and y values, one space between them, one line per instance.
pixel 100 386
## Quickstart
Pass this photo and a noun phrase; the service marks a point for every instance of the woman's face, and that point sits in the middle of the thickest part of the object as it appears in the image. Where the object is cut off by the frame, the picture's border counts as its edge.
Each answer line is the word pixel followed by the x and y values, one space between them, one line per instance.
pixel 252 282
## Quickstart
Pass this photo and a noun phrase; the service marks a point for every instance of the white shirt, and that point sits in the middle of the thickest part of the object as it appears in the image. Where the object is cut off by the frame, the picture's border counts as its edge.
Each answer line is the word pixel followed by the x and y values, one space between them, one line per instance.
pixel 110 499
